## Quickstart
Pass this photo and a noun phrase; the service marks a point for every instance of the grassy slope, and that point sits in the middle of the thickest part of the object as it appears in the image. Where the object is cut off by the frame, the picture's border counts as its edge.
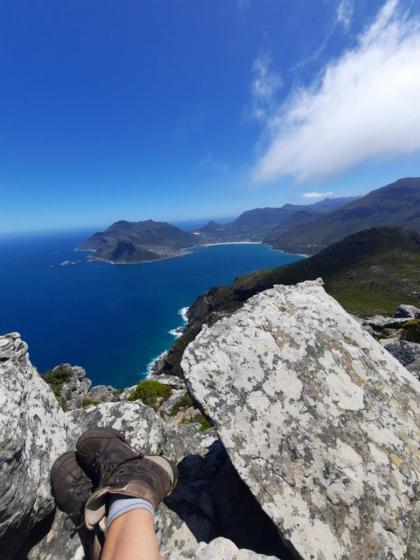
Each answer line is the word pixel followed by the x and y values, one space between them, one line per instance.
pixel 370 272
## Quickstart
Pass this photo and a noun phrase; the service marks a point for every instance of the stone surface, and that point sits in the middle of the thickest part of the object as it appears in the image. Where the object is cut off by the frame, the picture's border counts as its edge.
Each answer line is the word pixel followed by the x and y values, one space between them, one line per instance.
pixel 223 549
pixel 146 433
pixel 32 436
pixel 414 367
pixel 405 352
pixel 318 419
pixel 380 323
pixel 407 312
pixel 103 393
pixel 58 544
pixel 170 380
pixel 70 385
pixel 210 499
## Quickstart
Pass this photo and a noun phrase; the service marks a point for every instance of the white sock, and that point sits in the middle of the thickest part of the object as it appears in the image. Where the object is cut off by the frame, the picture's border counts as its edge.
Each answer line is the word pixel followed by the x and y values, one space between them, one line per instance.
pixel 121 505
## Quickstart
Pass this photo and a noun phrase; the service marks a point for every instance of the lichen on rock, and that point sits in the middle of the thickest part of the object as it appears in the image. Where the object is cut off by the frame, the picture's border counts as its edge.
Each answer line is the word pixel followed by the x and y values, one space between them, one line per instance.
pixel 318 418
pixel 32 436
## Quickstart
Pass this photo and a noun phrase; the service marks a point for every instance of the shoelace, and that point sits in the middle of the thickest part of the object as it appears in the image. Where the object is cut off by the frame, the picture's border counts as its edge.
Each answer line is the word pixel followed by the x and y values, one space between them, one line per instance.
pixel 76 528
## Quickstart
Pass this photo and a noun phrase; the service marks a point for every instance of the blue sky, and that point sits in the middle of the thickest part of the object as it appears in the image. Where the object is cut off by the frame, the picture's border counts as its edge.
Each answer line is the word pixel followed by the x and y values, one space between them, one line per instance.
pixel 183 109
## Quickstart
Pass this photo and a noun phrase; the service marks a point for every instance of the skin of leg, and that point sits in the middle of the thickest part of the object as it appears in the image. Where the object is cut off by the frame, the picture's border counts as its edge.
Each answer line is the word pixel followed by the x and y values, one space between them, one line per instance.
pixel 132 537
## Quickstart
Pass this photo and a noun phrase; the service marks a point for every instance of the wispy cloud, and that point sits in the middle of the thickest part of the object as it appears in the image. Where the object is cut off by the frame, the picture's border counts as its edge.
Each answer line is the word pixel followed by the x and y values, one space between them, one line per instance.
pixel 345 13
pixel 264 87
pixel 317 195
pixel 365 104
pixel 342 20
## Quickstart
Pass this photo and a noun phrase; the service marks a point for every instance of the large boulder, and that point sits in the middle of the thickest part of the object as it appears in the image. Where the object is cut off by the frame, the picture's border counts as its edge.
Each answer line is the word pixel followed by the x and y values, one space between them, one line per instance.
pixel 318 418
pixel 32 436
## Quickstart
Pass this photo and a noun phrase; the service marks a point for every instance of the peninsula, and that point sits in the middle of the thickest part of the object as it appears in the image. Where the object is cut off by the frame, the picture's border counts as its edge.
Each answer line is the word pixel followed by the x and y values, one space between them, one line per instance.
pixel 135 242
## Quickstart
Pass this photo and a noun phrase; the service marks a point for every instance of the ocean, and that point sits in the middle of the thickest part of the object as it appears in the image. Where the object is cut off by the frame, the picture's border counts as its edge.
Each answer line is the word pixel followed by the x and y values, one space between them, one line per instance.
pixel 113 320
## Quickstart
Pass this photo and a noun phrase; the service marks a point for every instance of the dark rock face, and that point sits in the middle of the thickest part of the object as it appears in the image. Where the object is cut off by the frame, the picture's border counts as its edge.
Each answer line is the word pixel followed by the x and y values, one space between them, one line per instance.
pixel 407 353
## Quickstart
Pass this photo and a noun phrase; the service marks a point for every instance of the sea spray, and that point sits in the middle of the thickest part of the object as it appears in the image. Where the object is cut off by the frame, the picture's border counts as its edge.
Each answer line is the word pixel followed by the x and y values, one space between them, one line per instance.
pixel 151 365
pixel 177 331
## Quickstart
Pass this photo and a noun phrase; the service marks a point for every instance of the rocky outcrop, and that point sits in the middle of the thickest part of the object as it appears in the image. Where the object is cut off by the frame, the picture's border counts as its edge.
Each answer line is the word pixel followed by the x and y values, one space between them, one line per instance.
pixel 31 438
pixel 69 384
pixel 316 454
pixel 407 312
pixel 380 323
pixel 224 549
pixel 318 419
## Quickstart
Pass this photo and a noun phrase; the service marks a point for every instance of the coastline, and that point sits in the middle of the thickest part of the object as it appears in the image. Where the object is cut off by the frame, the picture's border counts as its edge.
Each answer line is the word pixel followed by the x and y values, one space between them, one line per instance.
pixel 181 253
pixel 232 243
pixel 176 333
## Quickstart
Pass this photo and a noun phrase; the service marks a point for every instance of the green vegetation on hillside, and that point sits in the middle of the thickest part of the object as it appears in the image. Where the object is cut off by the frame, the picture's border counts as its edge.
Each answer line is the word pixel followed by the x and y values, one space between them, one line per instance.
pixel 150 392
pixel 370 272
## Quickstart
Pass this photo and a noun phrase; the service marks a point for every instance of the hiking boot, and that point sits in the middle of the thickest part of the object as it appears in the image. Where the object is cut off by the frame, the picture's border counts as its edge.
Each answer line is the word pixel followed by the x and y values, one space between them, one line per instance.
pixel 118 470
pixel 71 488
pixel 100 450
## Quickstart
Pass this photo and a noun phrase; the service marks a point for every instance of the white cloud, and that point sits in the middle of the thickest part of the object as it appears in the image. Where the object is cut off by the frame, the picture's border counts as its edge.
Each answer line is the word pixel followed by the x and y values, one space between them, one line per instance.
pixel 365 105
pixel 345 13
pixel 316 195
pixel 264 87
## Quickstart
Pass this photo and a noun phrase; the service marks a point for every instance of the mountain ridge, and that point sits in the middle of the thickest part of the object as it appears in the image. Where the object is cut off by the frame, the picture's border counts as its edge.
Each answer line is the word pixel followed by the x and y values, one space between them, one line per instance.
pixel 396 204
pixel 126 242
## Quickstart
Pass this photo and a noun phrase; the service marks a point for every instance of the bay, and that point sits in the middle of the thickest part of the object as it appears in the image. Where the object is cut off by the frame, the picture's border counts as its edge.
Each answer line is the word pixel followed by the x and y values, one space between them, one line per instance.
pixel 113 320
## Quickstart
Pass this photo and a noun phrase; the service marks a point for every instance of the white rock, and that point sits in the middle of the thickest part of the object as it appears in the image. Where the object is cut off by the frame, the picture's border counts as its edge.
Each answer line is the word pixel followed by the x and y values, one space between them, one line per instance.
pixel 32 436
pixel 319 420
pixel 223 549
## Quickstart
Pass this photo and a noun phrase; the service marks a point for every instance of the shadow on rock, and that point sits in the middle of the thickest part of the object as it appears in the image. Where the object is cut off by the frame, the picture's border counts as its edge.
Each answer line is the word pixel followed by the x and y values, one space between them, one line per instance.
pixel 213 501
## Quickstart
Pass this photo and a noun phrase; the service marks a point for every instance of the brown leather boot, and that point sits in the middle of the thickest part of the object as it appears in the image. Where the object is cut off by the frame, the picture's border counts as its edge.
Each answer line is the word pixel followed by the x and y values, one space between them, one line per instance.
pixel 71 488
pixel 100 450
pixel 117 469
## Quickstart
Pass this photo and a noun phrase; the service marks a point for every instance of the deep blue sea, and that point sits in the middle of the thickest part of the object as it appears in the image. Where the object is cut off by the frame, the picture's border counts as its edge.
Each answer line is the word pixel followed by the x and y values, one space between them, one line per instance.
pixel 110 319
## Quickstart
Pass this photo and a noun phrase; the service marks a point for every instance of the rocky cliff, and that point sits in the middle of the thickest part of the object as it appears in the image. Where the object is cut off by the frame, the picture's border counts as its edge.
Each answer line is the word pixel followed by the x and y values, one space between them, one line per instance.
pixel 314 453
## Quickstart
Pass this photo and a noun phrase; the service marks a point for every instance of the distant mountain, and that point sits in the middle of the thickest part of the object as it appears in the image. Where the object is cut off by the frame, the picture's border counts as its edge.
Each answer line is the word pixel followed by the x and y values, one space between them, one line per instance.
pixel 132 242
pixel 397 204
pixel 370 272
pixel 256 224
pixel 330 204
